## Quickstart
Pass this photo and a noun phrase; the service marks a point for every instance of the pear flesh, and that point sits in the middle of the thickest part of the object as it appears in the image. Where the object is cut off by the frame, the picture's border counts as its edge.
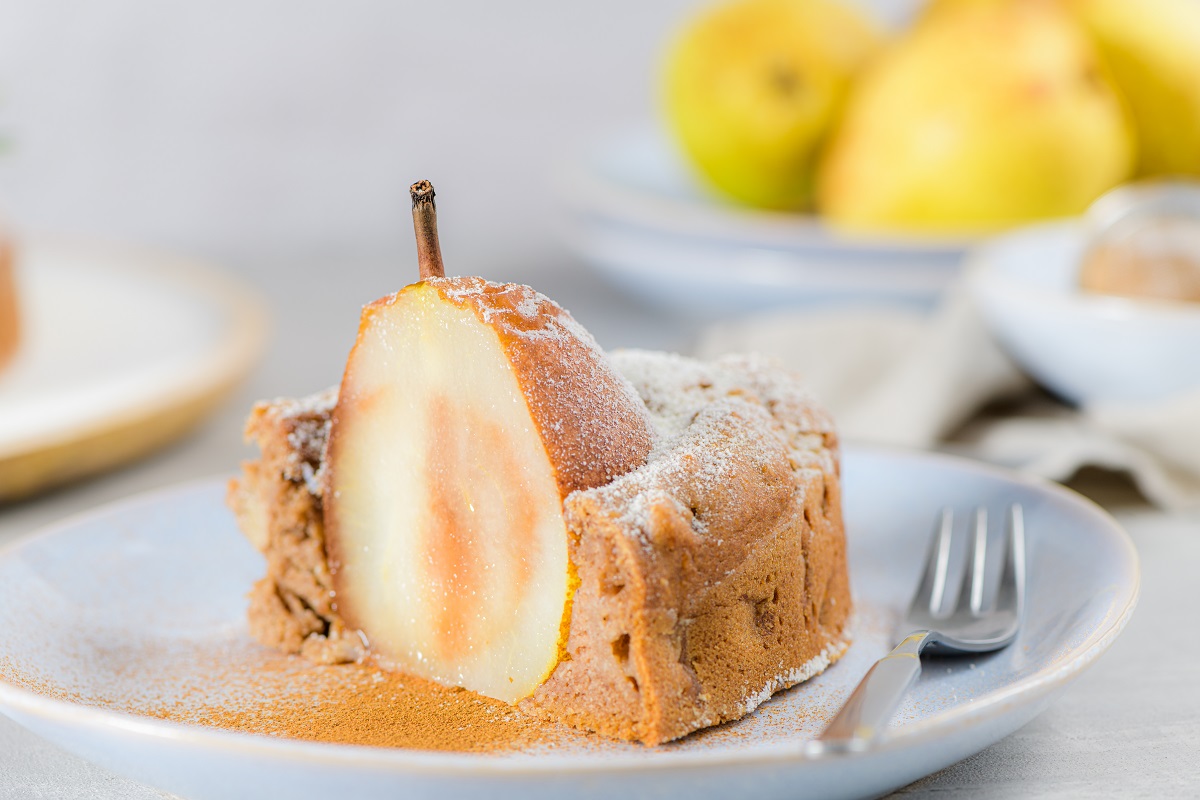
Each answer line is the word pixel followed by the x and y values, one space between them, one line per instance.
pixel 444 520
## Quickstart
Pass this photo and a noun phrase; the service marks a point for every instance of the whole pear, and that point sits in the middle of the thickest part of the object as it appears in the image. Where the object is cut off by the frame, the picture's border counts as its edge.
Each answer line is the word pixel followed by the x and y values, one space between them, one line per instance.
pixel 1152 48
pixel 751 90
pixel 983 116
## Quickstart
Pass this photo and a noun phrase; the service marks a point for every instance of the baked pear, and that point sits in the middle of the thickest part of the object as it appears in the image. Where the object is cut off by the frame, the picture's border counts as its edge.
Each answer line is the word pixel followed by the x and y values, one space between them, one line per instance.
pixel 467 412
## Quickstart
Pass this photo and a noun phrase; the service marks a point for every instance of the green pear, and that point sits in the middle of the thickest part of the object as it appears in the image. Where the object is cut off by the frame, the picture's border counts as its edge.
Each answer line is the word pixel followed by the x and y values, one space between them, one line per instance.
pixel 1152 48
pixel 751 90
pixel 983 116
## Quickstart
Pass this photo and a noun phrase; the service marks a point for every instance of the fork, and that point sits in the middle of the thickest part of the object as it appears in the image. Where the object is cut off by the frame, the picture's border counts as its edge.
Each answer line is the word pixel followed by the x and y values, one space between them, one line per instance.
pixel 969 628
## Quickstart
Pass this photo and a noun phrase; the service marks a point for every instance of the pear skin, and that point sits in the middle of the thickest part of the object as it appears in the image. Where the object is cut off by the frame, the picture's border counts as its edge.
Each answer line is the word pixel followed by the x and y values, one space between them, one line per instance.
pixel 1152 48
pixel 751 89
pixel 984 116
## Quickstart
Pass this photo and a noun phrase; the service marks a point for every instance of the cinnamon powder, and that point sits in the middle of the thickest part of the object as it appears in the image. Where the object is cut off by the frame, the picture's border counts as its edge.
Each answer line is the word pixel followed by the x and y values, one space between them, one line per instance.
pixel 364 705
pixel 257 691
pixel 350 704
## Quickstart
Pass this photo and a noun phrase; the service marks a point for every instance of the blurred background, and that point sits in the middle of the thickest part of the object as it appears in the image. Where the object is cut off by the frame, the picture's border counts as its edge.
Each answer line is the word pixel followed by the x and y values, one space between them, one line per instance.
pixel 270 126
pixel 276 141
pixel 273 127
pixel 296 126
pixel 279 138
pixel 679 177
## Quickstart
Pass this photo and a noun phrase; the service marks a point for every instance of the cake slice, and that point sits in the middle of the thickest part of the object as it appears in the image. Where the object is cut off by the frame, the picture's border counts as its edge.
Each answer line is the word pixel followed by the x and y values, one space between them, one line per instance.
pixel 709 578
pixel 278 504
pixel 640 546
pixel 715 575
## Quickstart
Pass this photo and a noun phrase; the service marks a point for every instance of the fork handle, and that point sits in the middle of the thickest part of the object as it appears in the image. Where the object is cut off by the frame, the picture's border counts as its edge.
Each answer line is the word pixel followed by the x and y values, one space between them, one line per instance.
pixel 876 698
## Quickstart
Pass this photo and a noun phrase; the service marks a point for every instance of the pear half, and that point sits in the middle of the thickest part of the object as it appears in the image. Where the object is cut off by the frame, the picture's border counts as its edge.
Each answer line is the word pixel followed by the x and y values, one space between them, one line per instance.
pixel 468 410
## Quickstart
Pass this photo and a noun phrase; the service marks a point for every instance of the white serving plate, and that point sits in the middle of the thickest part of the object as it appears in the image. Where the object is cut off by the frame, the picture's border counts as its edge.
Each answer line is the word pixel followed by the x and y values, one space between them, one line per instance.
pixel 1089 349
pixel 123 349
pixel 92 591
pixel 641 218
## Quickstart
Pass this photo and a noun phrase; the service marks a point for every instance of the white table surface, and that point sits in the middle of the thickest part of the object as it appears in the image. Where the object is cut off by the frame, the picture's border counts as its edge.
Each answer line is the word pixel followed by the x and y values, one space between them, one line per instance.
pixel 1130 727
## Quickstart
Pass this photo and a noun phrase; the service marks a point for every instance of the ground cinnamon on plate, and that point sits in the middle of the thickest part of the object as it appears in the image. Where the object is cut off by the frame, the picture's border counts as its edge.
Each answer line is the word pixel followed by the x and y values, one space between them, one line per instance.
pixel 364 705
pixel 249 689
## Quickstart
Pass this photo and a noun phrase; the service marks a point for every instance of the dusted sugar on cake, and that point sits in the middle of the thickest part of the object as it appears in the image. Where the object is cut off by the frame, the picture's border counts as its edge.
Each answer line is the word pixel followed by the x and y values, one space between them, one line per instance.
pixel 708 579
pixel 715 575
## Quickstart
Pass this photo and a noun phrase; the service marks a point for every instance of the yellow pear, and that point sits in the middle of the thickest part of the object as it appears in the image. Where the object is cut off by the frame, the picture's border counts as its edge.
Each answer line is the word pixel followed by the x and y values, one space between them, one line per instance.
pixel 983 116
pixel 752 88
pixel 1152 48
pixel 934 7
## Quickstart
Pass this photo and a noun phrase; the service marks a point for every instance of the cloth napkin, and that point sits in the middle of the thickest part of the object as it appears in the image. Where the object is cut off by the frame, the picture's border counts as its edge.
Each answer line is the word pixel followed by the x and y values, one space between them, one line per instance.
pixel 892 376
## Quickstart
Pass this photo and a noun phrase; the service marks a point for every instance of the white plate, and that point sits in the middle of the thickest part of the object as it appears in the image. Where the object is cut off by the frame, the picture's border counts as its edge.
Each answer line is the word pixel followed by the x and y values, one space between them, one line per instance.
pixel 643 220
pixel 171 566
pixel 122 350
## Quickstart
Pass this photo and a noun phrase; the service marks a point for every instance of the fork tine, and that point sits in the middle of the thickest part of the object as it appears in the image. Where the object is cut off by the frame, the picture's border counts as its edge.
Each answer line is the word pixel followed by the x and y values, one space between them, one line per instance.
pixel 968 630
pixel 932 589
pixel 970 596
pixel 1011 594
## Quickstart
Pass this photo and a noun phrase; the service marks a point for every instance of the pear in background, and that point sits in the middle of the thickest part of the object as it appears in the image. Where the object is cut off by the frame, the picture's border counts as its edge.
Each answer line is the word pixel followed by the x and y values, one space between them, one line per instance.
pixel 984 116
pixel 1152 48
pixel 752 88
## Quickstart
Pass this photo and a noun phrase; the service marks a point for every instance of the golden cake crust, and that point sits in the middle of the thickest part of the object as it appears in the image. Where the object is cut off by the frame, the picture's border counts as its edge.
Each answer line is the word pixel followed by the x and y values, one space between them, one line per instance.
pixel 594 426
pixel 715 575
pixel 710 577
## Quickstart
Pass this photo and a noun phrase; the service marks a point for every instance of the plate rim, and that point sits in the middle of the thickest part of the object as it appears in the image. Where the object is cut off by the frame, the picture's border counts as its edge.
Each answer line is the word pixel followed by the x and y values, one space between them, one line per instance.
pixel 913 735
pixel 32 463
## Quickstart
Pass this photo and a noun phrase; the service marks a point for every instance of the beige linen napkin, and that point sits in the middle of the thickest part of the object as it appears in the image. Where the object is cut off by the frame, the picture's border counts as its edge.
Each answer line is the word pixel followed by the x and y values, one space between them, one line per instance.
pixel 897 377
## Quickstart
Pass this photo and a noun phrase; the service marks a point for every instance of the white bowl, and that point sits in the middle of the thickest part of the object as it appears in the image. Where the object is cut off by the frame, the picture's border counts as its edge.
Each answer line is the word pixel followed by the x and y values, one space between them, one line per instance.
pixel 639 217
pixel 1089 349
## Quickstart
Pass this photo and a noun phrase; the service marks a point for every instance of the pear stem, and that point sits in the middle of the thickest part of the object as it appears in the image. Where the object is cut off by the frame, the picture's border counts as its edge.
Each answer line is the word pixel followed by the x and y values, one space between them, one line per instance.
pixel 429 251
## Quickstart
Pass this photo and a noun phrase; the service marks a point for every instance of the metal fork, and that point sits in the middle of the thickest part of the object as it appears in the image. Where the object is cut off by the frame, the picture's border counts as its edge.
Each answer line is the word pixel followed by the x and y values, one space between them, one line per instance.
pixel 969 628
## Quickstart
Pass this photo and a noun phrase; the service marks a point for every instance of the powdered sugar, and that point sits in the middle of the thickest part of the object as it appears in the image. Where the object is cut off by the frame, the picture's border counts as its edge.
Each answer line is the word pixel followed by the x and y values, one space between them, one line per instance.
pixel 318 404
pixel 306 420
pixel 711 420
pixel 521 311
pixel 593 422
pixel 517 309
pixel 812 668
